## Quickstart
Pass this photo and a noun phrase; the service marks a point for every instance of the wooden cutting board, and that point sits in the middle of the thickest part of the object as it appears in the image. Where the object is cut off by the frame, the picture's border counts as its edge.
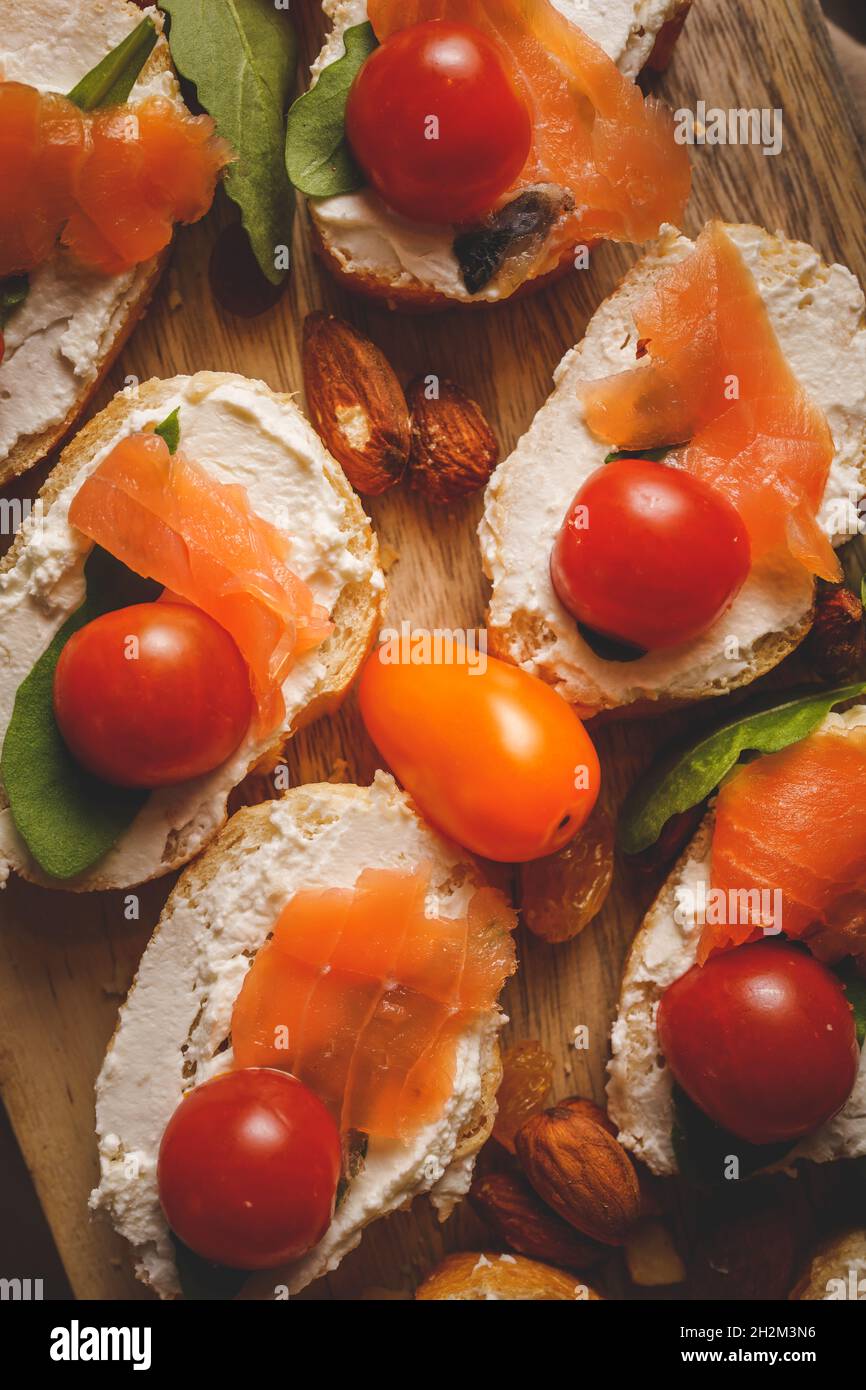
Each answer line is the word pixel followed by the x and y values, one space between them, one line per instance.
pixel 66 961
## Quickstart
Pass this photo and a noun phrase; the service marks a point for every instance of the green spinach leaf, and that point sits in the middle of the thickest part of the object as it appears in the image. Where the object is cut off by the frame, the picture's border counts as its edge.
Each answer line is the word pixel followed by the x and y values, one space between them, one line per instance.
pixel 169 430
pixel 13 292
pixel 242 55
pixel 112 80
pixel 654 455
pixel 855 988
pixel 693 774
pixel 703 1149
pixel 201 1280
pixel 318 157
pixel 67 818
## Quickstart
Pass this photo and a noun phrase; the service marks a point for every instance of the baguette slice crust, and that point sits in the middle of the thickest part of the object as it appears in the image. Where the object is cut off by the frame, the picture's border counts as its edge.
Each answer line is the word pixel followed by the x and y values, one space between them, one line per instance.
pixel 73 324
pixel 836 1272
pixel 173 1030
pixel 245 433
pixel 379 254
pixel 640 1087
pixel 818 314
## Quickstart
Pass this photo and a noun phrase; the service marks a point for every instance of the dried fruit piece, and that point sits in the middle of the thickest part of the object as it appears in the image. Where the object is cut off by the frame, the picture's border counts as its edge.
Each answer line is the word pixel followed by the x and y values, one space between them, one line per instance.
pixel 562 893
pixel 521 1221
pixel 454 450
pixel 836 646
pixel 481 1277
pixel 581 1172
pixel 527 1076
pixel 356 403
pixel 513 238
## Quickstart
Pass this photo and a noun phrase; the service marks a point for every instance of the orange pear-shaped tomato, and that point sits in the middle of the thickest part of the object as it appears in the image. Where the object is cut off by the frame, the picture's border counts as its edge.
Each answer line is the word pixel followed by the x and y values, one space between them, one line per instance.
pixel 492 756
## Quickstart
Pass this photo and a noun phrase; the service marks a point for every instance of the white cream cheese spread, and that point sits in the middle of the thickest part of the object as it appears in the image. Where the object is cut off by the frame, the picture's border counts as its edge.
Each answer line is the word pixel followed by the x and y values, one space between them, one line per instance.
pixel 640 1087
pixel 817 312
pixel 56 342
pixel 179 1012
pixel 367 237
pixel 241 433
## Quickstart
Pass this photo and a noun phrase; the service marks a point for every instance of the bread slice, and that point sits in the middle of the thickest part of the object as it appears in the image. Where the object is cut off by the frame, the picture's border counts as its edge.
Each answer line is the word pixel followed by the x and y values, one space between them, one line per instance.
pixel 378 253
pixel 243 432
pixel 492 1277
pixel 818 314
pixel 836 1271
pixel 74 322
pixel 640 1087
pixel 173 1030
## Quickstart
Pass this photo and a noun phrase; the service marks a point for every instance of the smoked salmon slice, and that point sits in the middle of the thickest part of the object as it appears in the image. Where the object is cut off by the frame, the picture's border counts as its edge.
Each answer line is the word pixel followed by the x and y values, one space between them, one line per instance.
pixel 595 135
pixel 791 824
pixel 364 997
pixel 716 382
pixel 168 519
pixel 110 184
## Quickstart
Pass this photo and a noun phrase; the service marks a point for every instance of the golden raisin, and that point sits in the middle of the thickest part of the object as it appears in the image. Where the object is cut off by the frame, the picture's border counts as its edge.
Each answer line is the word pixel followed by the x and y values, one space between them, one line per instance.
pixel 527 1076
pixel 563 892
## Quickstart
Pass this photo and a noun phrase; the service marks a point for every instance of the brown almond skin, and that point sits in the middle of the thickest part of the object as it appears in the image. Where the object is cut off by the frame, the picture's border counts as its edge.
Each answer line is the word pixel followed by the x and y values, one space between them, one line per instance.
pixel 454 450
pixel 579 1169
pixel 836 646
pixel 521 1221
pixel 355 403
pixel 579 1105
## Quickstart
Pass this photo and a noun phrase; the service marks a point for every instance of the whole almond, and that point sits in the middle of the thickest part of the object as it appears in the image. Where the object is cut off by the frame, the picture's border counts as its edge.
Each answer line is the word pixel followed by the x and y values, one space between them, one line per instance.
pixel 454 450
pixel 356 403
pixel 521 1221
pixel 579 1169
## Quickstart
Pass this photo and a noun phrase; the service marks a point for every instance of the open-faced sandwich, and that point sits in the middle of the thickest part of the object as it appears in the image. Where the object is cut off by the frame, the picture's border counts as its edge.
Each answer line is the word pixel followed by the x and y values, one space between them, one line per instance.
pixel 99 158
pixel 310 1043
pixel 739 1039
pixel 196 581
pixel 458 151
pixel 655 536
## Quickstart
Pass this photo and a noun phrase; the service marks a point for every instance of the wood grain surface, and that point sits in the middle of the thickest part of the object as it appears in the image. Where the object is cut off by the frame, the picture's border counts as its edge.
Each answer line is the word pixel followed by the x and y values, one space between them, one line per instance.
pixel 66 961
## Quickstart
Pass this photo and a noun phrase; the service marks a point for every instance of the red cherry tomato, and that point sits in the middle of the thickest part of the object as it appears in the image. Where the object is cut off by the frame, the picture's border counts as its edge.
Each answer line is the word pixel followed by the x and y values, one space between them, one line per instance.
pixel 494 758
pixel 436 123
pixel 171 704
pixel 763 1039
pixel 248 1169
pixel 649 555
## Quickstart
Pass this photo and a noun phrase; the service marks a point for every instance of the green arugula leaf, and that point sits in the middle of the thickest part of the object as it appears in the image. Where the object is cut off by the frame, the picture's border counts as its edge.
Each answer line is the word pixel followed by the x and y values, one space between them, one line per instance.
pixel 13 292
pixel 242 55
pixel 703 1149
pixel 112 80
pixel 654 455
pixel 67 818
pixel 201 1280
pixel 693 774
pixel 855 988
pixel 169 430
pixel 318 157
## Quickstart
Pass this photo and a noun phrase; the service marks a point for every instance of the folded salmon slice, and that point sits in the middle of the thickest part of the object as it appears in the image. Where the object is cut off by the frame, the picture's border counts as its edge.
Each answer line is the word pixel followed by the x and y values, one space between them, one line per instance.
pixel 716 382
pixel 43 143
pixel 110 184
pixel 168 519
pixel 594 132
pixel 373 1027
pixel 791 825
